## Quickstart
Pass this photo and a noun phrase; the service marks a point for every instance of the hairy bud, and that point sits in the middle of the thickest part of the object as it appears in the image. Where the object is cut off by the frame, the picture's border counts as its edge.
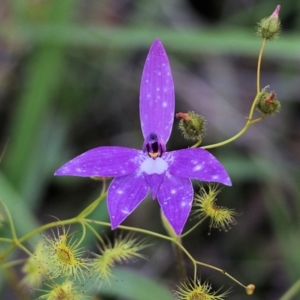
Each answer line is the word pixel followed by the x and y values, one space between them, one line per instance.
pixel 268 103
pixel 269 28
pixel 192 125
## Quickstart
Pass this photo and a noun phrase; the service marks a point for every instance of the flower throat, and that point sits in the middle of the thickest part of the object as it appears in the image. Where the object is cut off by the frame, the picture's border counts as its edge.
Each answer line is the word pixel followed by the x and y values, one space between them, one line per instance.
pixel 154 146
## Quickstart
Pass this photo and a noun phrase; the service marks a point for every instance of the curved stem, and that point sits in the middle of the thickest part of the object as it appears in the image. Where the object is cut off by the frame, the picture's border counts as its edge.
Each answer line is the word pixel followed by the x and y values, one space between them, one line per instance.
pixel 249 118
pixel 148 232
pixel 195 263
pixel 92 229
pixel 221 271
pixel 259 65
pixel 194 227
pixel 35 232
pixel 13 263
pixel 228 140
pixel 82 235
pixel 89 209
pixel 248 124
pixel 10 221
pixel 6 240
pixel 197 144
pixel 175 240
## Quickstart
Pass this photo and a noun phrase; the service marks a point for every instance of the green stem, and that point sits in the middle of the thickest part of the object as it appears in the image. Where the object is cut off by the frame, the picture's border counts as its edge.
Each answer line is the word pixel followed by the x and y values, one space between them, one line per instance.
pixel 194 227
pixel 35 232
pixel 197 144
pixel 92 229
pixel 6 240
pixel 245 128
pixel 292 291
pixel 249 122
pixel 82 235
pixel 89 209
pixel 177 250
pixel 10 221
pixel 177 243
pixel 221 271
pixel 259 65
pixel 180 260
pixel 85 222
pixel 13 263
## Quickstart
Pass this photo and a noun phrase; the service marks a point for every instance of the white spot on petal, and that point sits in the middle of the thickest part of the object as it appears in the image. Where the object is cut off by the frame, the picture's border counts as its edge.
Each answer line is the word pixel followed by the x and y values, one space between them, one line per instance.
pixel 125 211
pixel 165 104
pixel 173 191
pixel 197 168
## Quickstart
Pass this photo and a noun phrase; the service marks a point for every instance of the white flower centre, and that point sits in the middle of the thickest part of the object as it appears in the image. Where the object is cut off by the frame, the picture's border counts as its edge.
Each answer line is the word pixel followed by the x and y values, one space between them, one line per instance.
pixel 154 166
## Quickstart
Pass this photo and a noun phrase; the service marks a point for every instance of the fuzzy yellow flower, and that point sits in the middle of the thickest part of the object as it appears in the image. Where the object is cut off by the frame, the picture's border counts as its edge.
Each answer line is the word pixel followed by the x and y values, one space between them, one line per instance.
pixel 205 205
pixel 121 250
pixel 35 268
pixel 65 256
pixel 65 291
pixel 194 290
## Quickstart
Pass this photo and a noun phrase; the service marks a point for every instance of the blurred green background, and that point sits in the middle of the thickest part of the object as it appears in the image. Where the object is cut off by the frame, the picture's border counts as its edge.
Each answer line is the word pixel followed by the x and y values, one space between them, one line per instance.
pixel 69 81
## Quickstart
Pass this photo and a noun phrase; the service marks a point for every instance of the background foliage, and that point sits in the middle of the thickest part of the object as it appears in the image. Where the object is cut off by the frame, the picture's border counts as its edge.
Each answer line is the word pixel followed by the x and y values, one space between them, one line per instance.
pixel 69 81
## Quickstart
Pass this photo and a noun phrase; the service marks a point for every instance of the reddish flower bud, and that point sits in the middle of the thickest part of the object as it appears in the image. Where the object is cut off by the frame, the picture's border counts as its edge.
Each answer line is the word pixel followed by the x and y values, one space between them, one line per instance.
pixel 267 103
pixel 192 125
pixel 269 28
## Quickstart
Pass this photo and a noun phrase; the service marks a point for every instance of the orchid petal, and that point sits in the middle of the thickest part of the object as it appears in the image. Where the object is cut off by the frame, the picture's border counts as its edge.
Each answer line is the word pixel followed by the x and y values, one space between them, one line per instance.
pixel 175 197
pixel 104 161
pixel 154 181
pixel 124 194
pixel 157 100
pixel 196 163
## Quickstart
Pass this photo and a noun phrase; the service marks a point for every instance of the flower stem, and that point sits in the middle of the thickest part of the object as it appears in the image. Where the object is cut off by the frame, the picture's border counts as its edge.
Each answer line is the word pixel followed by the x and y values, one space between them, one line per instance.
pixel 180 260
pixel 177 249
pixel 259 65
pixel 194 227
pixel 221 271
pixel 35 232
pixel 92 229
pixel 10 221
pixel 197 144
pixel 177 243
pixel 89 209
pixel 248 124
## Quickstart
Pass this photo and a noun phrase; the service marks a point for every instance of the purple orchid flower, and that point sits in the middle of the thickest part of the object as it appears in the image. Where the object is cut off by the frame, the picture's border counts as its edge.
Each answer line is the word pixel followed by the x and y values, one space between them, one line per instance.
pixel 166 174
